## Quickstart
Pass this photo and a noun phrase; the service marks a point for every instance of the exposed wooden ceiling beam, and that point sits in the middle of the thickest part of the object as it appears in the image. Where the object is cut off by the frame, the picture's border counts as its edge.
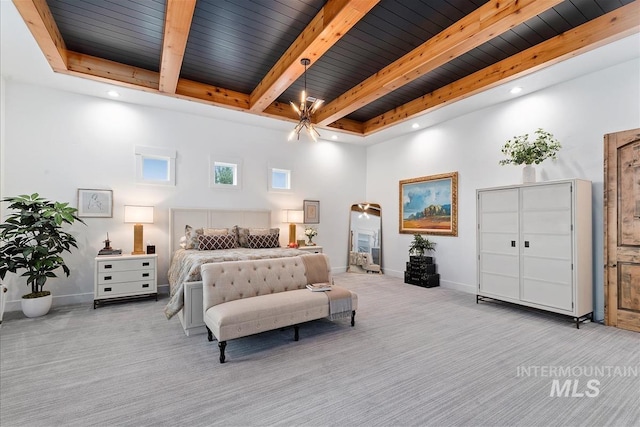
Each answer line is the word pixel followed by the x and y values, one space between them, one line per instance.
pixel 327 27
pixel 90 67
pixel 613 26
pixel 37 15
pixel 177 24
pixel 480 26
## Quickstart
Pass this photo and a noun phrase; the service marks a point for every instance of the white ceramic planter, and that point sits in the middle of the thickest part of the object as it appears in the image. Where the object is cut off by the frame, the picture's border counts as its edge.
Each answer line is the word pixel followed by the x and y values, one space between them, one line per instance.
pixel 528 174
pixel 36 307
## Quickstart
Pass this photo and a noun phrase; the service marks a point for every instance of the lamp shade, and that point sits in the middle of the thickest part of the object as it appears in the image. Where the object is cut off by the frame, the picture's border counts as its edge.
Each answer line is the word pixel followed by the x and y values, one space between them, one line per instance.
pixel 294 216
pixel 138 214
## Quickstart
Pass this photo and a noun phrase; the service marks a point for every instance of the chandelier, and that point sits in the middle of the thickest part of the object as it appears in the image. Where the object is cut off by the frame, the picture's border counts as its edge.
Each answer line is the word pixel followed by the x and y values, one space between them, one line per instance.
pixel 306 109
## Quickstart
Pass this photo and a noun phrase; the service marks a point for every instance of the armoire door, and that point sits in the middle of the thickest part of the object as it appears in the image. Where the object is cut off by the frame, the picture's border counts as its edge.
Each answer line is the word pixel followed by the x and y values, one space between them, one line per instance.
pixel 498 269
pixel 546 245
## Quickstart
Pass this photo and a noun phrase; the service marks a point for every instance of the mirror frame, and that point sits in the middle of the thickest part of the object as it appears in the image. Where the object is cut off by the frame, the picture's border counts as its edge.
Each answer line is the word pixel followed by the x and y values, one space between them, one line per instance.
pixel 373 209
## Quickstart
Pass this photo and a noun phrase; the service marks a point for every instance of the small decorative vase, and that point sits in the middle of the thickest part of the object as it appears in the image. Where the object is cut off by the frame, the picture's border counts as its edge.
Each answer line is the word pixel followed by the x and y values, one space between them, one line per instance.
pixel 310 242
pixel 528 174
pixel 36 307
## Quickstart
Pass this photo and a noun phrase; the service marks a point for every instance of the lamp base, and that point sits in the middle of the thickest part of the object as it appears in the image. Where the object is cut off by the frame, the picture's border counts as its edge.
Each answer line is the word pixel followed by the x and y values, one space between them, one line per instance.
pixel 137 240
pixel 292 233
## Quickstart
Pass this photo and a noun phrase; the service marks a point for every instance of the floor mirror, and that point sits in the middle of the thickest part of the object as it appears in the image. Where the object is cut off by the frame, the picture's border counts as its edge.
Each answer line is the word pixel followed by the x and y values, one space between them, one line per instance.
pixel 365 238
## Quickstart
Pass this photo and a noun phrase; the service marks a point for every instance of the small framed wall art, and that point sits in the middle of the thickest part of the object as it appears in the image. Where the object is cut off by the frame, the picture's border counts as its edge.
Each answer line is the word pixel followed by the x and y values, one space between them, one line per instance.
pixel 311 211
pixel 95 203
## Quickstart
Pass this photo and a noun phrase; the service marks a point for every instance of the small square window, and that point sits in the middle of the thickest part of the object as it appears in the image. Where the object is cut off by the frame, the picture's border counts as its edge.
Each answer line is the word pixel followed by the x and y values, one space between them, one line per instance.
pixel 279 179
pixel 225 173
pixel 155 165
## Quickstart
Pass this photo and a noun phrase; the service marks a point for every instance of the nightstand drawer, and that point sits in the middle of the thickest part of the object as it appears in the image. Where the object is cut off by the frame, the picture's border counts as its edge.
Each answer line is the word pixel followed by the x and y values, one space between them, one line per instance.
pixel 125 276
pixel 126 265
pixel 129 288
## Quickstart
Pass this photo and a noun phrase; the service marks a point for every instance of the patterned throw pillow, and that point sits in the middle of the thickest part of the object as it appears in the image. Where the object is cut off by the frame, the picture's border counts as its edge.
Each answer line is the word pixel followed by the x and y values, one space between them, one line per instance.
pixel 191 235
pixel 210 243
pixel 263 241
pixel 243 234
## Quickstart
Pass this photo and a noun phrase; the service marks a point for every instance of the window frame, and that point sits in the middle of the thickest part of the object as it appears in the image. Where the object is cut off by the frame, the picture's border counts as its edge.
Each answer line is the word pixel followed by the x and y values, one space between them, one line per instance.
pixel 169 155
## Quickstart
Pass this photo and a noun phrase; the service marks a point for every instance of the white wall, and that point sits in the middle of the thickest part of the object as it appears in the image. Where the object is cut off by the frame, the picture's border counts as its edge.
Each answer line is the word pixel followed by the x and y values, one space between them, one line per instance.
pixel 578 112
pixel 56 142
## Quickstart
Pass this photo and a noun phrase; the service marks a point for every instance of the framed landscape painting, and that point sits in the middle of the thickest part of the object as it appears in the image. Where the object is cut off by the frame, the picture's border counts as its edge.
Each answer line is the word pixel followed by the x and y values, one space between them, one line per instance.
pixel 429 205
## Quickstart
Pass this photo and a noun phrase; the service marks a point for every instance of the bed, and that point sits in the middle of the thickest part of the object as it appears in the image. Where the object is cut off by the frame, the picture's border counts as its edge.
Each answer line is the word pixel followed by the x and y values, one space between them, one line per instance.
pixel 184 272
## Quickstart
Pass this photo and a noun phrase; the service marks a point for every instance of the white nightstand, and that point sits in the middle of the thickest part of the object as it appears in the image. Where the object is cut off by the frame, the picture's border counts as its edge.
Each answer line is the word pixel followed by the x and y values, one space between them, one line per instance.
pixel 124 277
pixel 312 249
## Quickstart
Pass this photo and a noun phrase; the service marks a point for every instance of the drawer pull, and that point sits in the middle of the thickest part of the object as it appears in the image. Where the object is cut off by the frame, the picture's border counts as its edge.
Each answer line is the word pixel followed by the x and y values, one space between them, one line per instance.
pixel 107 277
pixel 146 285
pixel 526 243
pixel 513 243
pixel 145 264
pixel 107 289
pixel 145 274
pixel 108 266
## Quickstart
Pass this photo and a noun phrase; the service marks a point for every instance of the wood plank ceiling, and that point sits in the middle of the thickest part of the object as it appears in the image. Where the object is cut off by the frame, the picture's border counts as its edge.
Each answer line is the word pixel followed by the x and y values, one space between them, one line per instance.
pixel 376 63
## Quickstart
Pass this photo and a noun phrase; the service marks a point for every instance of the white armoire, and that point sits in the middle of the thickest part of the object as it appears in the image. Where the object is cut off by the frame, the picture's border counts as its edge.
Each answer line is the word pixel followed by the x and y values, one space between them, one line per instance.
pixel 534 246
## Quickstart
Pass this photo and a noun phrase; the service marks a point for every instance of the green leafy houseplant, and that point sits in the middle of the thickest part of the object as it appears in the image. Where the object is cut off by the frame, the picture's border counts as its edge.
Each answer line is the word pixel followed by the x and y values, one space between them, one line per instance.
pixel 32 239
pixel 420 245
pixel 520 150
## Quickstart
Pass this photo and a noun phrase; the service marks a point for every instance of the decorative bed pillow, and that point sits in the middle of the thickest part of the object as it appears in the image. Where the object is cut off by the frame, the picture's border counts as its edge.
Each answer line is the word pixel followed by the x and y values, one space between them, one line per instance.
pixel 263 241
pixel 244 233
pixel 215 231
pixel 191 235
pixel 222 241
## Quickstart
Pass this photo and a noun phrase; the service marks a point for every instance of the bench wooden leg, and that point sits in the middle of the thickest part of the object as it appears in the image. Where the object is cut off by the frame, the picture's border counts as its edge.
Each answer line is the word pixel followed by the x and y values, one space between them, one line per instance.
pixel 209 334
pixel 222 345
pixel 353 318
pixel 296 332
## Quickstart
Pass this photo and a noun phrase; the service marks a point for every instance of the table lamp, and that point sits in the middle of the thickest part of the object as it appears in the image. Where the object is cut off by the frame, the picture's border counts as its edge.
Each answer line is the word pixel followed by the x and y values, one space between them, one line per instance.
pixel 138 215
pixel 293 217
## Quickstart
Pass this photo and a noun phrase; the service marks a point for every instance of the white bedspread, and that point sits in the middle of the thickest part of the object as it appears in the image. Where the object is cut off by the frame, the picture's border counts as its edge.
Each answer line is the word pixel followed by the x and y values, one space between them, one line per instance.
pixel 185 267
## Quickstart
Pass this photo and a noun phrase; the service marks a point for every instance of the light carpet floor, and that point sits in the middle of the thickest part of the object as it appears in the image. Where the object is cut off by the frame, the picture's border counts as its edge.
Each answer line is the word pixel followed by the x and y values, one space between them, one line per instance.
pixel 416 357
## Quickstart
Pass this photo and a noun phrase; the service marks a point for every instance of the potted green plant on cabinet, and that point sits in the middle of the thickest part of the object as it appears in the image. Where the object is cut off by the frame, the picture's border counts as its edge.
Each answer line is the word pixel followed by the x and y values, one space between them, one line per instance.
pixel 32 239
pixel 421 270
pixel 521 151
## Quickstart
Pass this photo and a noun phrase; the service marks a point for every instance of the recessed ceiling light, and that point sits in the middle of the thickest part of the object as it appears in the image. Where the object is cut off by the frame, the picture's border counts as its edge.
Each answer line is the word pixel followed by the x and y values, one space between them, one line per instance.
pixel 415 125
pixel 515 90
pixel 334 137
pixel 113 94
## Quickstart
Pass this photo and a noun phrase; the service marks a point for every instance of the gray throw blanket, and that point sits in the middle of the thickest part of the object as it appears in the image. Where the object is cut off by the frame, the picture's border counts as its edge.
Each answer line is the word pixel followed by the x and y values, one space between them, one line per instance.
pixel 339 303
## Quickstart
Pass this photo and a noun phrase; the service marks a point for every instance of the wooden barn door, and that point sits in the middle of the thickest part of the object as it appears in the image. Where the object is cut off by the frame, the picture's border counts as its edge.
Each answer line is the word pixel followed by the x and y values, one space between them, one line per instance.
pixel 622 229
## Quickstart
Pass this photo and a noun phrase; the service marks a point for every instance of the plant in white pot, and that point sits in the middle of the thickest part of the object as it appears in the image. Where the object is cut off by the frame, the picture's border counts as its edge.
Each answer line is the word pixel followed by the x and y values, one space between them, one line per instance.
pixel 521 151
pixel 421 245
pixel 32 239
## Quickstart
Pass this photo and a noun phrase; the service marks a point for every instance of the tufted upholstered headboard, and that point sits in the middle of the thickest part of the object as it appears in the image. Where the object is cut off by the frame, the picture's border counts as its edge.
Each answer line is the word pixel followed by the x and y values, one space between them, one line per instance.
pixel 213 218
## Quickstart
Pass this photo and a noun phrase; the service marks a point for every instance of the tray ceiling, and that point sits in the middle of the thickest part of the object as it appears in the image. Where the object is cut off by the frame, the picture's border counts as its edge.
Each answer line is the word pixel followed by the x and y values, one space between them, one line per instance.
pixel 376 63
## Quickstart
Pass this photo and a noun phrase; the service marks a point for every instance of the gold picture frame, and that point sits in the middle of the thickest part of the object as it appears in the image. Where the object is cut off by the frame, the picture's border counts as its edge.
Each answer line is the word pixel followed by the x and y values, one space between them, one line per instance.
pixel 429 205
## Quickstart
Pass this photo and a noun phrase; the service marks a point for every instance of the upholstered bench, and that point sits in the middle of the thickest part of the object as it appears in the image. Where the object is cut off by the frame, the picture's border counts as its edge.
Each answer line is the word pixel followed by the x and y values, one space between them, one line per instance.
pixel 242 298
